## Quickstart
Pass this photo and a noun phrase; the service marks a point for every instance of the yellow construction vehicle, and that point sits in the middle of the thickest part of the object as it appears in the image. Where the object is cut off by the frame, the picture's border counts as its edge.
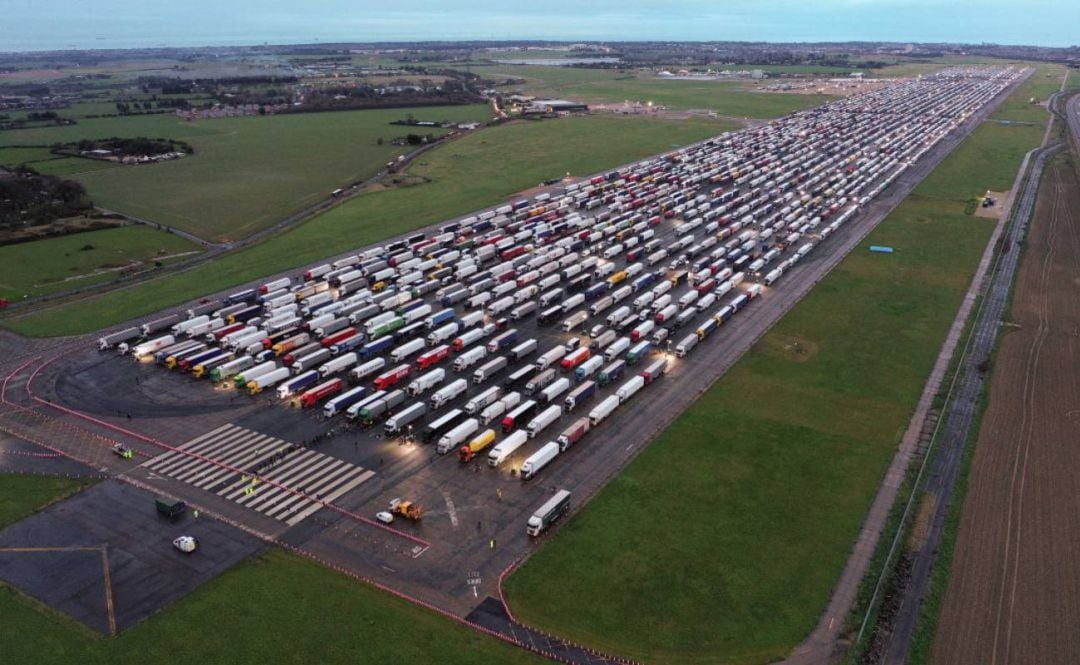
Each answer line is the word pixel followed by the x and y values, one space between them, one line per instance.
pixel 407 509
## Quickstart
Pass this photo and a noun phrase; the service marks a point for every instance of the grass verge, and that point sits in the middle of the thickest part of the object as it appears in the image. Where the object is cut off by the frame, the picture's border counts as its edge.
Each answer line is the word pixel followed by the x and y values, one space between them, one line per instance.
pixel 54 264
pixel 246 174
pixel 481 169
pixel 273 608
pixel 22 495
pixel 722 540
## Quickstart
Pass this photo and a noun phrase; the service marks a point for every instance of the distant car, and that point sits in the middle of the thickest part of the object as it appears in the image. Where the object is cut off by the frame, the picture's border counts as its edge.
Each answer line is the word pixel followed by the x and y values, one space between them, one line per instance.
pixel 384 516
pixel 597 330
pixel 572 344
pixel 186 544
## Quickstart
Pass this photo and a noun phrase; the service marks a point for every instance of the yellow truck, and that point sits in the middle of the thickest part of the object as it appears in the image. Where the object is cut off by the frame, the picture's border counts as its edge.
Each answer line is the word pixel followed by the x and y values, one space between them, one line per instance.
pixel 479 443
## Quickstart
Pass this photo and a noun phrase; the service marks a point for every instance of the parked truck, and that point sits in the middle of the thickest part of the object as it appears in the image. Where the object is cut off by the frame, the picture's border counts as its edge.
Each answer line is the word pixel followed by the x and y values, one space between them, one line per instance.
pixel 554 508
pixel 476 445
pixel 426 381
pixel 313 396
pixel 343 401
pixel 448 393
pixel 507 447
pixel 456 436
pixel 441 425
pixel 479 402
pixel 231 368
pixel 603 410
pixel 402 419
pixel 573 433
pixel 543 420
pixel 538 460
pixel 241 379
pixel 579 395
pixel 380 407
pixel 267 380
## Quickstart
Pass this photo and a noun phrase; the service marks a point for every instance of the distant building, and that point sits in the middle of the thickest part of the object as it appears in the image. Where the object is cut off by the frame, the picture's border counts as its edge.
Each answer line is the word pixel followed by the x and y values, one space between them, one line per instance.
pixel 555 106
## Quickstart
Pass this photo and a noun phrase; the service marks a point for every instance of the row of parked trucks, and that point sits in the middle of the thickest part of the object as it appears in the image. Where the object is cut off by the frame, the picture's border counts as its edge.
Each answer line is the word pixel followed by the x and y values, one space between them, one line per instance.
pixel 414 333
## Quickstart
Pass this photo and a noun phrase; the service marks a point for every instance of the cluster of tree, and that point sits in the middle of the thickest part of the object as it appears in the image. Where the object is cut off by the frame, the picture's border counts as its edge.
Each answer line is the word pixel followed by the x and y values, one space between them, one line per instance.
pixel 126 147
pixel 417 139
pixel 392 94
pixel 19 123
pixel 28 198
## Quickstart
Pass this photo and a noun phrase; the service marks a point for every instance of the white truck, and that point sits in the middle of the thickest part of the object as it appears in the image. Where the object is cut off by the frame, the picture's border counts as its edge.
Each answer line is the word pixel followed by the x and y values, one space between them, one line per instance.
pixel 603 410
pixel 469 358
pixel 507 447
pixel 457 436
pixel 448 392
pixel 484 399
pixel 538 460
pixel 426 381
pixel 543 420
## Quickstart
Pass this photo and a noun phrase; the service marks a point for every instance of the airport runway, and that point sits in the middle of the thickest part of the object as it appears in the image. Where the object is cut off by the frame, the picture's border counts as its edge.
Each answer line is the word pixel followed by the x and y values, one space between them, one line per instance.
pixel 447 561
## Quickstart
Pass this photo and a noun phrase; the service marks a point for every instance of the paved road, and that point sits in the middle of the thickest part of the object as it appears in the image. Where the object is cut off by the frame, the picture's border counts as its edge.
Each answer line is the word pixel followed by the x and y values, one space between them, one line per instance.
pixel 438 578
pixel 821 645
pixel 961 410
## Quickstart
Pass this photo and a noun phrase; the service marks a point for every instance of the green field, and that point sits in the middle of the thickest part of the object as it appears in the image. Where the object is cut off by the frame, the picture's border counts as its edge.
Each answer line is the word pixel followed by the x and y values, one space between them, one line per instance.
pixel 721 542
pixel 272 608
pixel 609 86
pixel 246 173
pixel 23 495
pixel 985 163
pixel 481 169
pixel 55 264
pixel 16 156
pixel 1044 82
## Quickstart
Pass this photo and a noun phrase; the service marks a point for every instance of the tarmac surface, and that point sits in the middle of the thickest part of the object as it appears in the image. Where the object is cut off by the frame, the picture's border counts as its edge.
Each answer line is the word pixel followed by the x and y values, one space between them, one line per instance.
pixel 105 556
pixel 75 401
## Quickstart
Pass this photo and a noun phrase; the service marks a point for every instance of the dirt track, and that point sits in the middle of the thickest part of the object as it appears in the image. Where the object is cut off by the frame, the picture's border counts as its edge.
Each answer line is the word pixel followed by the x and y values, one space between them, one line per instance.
pixel 1014 585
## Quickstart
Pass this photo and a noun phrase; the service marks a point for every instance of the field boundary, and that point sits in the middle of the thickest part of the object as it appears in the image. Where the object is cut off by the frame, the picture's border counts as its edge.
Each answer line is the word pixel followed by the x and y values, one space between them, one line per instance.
pixel 824 635
pixel 983 332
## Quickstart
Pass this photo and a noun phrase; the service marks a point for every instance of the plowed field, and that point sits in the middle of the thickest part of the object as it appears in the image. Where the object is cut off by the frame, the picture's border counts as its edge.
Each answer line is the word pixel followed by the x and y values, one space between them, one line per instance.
pixel 1014 589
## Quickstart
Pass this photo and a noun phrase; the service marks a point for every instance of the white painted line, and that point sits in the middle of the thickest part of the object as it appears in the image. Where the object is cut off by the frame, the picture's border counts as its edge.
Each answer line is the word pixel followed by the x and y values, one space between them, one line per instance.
pixel 165 456
pixel 180 464
pixel 301 459
pixel 201 468
pixel 332 497
pixel 312 464
pixel 450 509
pixel 321 484
pixel 240 460
pixel 274 490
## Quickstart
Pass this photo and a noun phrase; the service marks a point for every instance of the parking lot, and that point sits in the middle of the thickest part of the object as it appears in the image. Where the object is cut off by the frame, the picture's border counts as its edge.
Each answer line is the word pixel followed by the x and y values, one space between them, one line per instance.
pixel 708 215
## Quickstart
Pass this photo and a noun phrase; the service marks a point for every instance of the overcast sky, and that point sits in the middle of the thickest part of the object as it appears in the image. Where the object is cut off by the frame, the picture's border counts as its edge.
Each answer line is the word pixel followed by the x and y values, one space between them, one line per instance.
pixel 56 24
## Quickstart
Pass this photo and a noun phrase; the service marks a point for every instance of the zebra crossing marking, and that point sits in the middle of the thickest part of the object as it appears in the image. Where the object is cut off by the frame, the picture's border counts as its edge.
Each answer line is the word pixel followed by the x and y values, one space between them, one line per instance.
pixel 293 489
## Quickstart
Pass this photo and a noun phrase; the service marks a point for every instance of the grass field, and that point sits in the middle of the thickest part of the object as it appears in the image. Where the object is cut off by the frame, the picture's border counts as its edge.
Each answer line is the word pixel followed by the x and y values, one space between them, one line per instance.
pixel 986 162
pixel 481 169
pixel 22 495
pixel 608 86
pixel 722 540
pixel 246 173
pixel 16 156
pixel 1044 82
pixel 54 264
pixel 273 608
